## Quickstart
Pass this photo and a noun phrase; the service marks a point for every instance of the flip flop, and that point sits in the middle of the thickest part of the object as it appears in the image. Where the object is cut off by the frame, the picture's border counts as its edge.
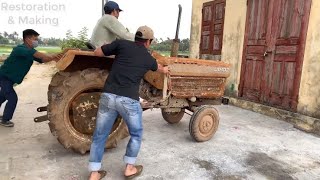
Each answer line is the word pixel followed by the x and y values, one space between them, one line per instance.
pixel 102 173
pixel 139 170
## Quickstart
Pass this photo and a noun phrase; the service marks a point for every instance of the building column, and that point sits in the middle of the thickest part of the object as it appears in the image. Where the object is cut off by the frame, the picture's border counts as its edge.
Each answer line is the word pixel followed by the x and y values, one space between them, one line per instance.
pixel 195 33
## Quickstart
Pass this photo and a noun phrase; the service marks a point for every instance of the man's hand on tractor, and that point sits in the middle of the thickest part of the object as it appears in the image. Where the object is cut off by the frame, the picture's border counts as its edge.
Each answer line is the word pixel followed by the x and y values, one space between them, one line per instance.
pixel 57 57
pixel 166 70
pixel 163 69
pixel 98 52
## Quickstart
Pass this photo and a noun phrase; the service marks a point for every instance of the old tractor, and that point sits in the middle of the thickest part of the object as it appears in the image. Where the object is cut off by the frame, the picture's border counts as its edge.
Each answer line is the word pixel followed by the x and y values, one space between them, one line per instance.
pixel 193 85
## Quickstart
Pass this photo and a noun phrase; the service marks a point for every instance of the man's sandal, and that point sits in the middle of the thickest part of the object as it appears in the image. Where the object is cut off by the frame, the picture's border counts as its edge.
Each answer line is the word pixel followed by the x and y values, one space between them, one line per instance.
pixel 139 170
pixel 102 173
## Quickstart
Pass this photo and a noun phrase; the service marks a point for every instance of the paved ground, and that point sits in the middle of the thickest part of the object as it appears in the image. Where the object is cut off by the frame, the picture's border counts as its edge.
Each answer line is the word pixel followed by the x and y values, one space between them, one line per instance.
pixel 246 146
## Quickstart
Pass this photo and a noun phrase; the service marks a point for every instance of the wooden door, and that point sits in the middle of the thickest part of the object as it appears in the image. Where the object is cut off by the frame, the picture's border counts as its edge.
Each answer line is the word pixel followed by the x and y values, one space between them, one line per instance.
pixel 213 14
pixel 206 35
pixel 273 51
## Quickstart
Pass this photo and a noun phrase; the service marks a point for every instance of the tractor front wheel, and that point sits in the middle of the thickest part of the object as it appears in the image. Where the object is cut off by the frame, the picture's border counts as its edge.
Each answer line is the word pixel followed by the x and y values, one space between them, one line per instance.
pixel 204 123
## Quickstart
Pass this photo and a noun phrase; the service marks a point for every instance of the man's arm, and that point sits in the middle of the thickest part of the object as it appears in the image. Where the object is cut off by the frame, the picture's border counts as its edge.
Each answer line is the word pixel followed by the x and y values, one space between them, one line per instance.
pixel 158 67
pixel 107 49
pixel 47 57
pixel 117 28
pixel 43 58
pixel 98 52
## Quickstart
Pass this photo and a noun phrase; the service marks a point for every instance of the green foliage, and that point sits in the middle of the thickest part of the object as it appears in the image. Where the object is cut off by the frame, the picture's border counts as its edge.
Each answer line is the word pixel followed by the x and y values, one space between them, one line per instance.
pixel 3 40
pixel 83 34
pixel 184 45
pixel 78 42
pixel 165 45
pixel 13 38
pixel 52 42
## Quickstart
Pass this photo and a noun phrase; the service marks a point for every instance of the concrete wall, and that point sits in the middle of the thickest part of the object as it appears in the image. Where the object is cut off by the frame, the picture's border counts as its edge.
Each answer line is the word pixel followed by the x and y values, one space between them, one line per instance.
pixel 232 50
pixel 309 94
pixel 233 37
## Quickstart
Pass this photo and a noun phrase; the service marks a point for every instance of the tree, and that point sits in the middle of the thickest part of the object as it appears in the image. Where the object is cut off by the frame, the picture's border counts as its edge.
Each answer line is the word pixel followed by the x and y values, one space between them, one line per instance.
pixel 165 45
pixel 83 34
pixel 3 40
pixel 72 42
pixel 5 34
pixel 11 37
pixel 53 42
pixel 184 45
pixel 69 34
pixel 15 35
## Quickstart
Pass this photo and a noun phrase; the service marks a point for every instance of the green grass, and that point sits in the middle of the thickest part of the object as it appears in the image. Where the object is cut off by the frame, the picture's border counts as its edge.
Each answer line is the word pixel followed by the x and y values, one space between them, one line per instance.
pixel 49 49
pixel 6 49
pixel 167 53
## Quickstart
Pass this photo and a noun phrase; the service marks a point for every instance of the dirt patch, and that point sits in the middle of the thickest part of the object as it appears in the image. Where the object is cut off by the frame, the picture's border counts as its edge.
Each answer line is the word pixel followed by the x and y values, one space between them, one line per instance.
pixel 215 172
pixel 2 58
pixel 270 167
pixel 206 165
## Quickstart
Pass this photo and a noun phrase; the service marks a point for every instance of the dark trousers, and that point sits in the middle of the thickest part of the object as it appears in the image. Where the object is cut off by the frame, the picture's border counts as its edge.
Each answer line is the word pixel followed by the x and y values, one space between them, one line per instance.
pixel 7 93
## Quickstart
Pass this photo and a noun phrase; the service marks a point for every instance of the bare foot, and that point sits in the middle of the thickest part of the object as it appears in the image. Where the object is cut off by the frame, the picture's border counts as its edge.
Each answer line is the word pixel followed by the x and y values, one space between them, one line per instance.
pixel 130 169
pixel 95 175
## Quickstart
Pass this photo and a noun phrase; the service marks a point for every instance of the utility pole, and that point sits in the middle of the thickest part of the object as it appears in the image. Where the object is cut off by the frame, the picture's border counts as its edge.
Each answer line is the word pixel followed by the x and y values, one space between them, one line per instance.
pixel 103 3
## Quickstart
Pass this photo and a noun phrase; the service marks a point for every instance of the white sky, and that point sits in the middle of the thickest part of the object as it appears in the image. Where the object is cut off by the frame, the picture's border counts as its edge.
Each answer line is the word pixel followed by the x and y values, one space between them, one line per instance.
pixel 160 15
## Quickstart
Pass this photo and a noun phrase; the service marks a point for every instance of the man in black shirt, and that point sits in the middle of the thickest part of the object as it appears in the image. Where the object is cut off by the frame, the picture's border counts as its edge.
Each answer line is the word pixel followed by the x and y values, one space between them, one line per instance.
pixel 121 97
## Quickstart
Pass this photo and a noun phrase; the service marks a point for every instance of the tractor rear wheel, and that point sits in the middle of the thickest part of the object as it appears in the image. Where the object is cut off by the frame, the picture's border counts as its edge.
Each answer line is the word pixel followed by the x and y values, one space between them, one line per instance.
pixel 172 117
pixel 73 104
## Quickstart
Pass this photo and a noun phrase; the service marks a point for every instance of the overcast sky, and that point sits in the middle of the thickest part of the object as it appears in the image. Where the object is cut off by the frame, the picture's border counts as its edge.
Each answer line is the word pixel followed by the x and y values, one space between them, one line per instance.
pixel 52 18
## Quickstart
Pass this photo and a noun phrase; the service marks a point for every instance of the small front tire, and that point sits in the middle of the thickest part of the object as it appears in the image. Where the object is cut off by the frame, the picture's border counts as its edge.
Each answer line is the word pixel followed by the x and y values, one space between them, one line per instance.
pixel 204 123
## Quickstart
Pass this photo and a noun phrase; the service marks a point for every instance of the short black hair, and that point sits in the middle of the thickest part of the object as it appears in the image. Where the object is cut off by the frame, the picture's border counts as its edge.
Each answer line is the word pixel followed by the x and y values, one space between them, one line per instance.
pixel 108 11
pixel 138 39
pixel 29 32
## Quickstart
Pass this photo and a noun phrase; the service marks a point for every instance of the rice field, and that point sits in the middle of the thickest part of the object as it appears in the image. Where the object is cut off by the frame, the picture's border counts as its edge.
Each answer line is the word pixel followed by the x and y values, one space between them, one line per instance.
pixel 6 49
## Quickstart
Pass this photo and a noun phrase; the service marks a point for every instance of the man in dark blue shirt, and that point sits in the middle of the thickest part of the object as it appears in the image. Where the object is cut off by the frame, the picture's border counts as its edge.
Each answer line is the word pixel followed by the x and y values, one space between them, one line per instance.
pixel 121 97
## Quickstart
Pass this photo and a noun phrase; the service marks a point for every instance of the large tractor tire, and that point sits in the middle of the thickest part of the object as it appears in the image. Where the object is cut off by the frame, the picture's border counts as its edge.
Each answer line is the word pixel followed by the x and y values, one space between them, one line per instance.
pixel 73 104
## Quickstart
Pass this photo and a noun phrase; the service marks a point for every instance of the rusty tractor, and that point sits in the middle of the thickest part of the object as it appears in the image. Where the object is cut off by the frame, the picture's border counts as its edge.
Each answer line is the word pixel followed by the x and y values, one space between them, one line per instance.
pixel 193 86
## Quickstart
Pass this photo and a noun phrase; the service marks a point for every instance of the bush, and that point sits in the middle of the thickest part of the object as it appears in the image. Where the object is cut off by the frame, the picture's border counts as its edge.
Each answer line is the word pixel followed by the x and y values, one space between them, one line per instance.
pixel 165 45
pixel 72 42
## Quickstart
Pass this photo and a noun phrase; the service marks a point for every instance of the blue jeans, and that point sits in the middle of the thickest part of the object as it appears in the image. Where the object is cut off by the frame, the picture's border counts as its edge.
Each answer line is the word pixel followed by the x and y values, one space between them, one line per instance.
pixel 110 107
pixel 7 93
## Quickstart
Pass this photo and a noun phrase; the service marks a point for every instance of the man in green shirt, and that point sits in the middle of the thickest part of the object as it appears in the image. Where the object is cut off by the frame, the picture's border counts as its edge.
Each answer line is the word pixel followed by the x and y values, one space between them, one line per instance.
pixel 15 68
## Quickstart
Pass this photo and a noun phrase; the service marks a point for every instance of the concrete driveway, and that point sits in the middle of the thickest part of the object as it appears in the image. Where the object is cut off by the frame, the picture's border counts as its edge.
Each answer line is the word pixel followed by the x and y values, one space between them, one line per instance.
pixel 246 146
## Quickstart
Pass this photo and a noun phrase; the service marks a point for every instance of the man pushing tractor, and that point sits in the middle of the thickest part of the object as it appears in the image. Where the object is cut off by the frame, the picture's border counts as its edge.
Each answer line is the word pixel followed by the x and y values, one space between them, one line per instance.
pixel 93 99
